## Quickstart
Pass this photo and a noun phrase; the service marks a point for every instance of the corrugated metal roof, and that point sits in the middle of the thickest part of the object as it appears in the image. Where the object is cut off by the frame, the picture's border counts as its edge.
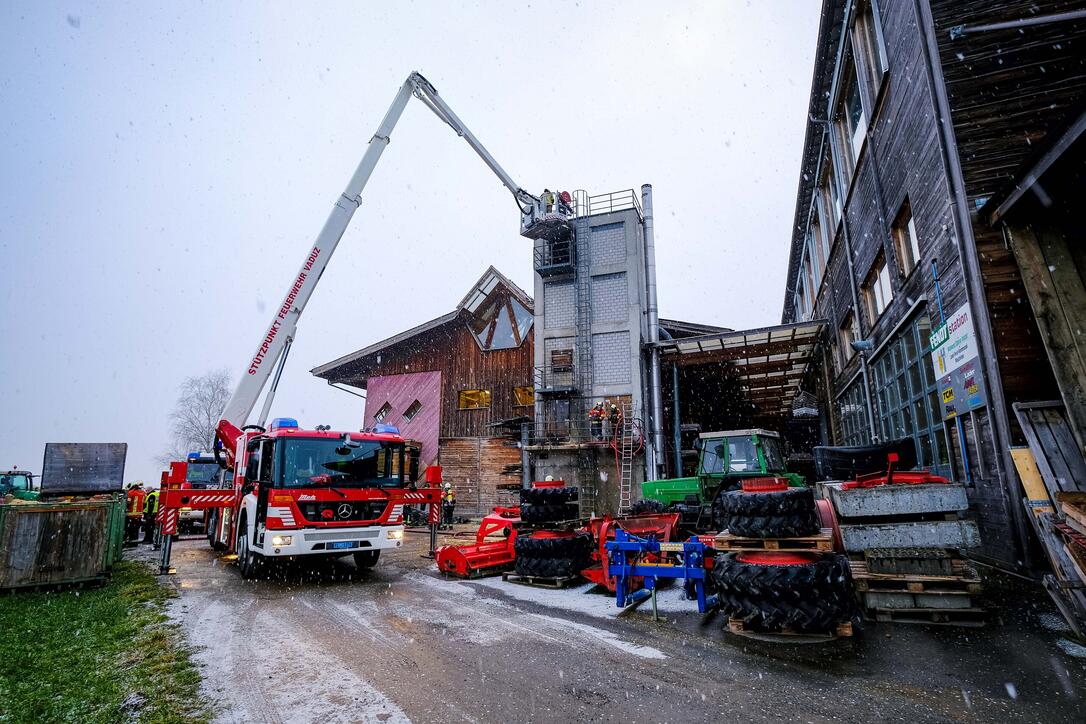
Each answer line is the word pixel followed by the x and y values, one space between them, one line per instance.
pixel 769 362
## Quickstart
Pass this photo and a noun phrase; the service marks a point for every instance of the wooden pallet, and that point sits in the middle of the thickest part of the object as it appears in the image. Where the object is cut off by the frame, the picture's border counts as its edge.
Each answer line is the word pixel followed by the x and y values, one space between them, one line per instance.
pixel 741 628
pixel 541 581
pixel 1073 507
pixel 969 617
pixel 823 541
pixel 968 582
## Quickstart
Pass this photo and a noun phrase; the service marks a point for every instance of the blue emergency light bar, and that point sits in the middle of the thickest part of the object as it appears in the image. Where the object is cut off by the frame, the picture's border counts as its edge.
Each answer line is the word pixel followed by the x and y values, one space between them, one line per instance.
pixel 386 429
pixel 284 423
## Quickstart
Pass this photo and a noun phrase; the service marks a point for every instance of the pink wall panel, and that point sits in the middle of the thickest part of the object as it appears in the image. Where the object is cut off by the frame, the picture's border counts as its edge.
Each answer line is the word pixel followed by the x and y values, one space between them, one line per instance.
pixel 399 391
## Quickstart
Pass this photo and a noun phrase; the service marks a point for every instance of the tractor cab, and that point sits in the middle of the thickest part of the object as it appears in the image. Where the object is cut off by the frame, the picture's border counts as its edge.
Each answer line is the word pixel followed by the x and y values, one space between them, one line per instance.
pixel 18 483
pixel 725 460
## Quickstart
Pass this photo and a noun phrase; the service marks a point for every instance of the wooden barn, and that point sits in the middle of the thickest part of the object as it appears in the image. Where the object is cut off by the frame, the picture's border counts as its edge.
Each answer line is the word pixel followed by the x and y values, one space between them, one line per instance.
pixel 927 122
pixel 459 385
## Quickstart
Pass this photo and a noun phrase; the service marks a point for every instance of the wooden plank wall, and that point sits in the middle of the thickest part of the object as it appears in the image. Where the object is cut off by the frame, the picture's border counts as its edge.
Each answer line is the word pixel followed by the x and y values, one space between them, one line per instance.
pixel 1009 91
pixel 452 349
pixel 476 466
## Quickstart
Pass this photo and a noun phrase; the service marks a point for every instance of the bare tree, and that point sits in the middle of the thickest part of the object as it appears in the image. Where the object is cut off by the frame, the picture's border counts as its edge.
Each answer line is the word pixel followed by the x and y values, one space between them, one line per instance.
pixel 197 411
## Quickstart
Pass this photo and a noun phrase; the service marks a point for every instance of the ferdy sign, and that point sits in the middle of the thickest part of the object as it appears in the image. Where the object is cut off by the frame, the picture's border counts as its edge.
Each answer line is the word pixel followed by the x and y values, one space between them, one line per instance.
pixel 957 365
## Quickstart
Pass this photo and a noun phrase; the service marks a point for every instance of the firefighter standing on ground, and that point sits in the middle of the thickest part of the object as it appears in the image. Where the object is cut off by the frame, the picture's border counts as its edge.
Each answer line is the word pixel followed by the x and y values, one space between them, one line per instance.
pixel 150 510
pixel 448 505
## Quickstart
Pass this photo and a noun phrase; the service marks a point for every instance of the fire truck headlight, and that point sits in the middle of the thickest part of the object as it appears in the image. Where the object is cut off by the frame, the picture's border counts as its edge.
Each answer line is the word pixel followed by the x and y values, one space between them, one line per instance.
pixel 395 535
pixel 282 540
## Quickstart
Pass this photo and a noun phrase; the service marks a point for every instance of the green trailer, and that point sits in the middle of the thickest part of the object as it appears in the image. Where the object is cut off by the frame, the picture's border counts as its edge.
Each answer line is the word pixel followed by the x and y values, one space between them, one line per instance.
pixel 725 459
pixel 60 542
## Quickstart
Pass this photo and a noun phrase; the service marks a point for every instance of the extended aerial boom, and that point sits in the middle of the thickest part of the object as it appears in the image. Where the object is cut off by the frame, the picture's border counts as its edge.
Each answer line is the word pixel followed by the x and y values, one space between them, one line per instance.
pixel 275 343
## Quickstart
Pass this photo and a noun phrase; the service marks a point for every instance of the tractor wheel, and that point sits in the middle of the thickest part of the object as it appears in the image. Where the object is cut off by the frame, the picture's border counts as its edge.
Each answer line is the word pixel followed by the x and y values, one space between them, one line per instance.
pixel 646 507
pixel 804 592
pixel 548 496
pixel 782 502
pixel 548 513
pixel 542 545
pixel 773 526
pixel 366 559
pixel 250 562
pixel 550 567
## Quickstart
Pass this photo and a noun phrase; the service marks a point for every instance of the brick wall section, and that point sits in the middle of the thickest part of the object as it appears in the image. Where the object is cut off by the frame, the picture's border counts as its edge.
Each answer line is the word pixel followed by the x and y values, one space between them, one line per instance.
pixel 611 358
pixel 607 244
pixel 476 466
pixel 610 302
pixel 559 307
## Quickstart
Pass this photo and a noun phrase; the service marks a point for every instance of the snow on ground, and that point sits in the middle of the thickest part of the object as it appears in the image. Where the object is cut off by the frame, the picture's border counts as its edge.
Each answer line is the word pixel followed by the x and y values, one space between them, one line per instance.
pixel 582 599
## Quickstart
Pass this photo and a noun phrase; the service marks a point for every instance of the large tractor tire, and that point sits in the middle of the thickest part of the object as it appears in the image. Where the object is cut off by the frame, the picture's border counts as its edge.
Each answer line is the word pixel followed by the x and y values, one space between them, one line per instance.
pixel 773 526
pixel 647 507
pixel 548 496
pixel 550 555
pixel 779 502
pixel 549 513
pixel 804 592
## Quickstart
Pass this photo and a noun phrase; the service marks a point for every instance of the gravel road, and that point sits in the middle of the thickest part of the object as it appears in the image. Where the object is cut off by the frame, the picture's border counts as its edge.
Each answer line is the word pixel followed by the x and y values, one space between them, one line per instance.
pixel 402 644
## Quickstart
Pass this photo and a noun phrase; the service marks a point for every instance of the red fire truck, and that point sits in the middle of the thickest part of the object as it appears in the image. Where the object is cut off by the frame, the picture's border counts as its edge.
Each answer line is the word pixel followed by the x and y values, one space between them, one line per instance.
pixel 298 492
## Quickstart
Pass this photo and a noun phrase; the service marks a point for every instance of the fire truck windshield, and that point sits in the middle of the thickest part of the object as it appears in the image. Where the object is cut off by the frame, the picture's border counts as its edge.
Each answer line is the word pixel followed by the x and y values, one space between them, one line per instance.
pixel 201 474
pixel 312 462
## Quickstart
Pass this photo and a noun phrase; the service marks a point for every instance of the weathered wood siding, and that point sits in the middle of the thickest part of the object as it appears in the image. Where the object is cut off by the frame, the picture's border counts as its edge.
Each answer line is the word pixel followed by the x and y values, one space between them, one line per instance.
pixel 399 392
pixel 451 350
pixel 476 466
pixel 1009 91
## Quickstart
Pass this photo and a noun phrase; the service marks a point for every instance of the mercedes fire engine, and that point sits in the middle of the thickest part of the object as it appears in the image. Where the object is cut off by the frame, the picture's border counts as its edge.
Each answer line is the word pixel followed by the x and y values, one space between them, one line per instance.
pixel 298 492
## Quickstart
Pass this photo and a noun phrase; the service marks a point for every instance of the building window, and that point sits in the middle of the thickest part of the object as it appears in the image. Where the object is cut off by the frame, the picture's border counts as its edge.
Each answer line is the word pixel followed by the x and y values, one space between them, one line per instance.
pixel 850 408
pixel 907 395
pixel 877 289
pixel 496 319
pixel 906 242
pixel 870 51
pixel 385 411
pixel 850 121
pixel 846 335
pixel 523 396
pixel 830 200
pixel 473 399
pixel 414 409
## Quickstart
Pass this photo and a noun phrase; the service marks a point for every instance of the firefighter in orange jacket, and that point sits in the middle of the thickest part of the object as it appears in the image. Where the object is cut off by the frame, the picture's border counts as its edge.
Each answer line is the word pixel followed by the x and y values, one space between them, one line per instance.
pixel 595 420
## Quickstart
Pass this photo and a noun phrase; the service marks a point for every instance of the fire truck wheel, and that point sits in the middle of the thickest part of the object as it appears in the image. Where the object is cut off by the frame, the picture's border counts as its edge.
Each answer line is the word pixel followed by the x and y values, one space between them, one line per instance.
pixel 366 559
pixel 249 561
pixel 773 526
pixel 646 507
pixel 547 513
pixel 548 496
pixel 782 502
pixel 774 591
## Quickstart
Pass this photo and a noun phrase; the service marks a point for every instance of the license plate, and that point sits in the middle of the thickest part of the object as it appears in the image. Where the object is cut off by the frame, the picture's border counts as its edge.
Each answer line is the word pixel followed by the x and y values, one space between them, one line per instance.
pixel 341 544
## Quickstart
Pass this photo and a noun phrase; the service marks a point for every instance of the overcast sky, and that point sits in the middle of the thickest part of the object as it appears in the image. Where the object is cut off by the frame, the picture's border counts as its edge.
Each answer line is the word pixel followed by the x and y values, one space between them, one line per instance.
pixel 164 169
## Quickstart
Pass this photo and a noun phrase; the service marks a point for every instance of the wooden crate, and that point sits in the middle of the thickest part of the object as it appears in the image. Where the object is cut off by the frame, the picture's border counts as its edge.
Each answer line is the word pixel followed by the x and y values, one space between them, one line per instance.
pixel 541 581
pixel 968 617
pixel 967 582
pixel 821 542
pixel 741 628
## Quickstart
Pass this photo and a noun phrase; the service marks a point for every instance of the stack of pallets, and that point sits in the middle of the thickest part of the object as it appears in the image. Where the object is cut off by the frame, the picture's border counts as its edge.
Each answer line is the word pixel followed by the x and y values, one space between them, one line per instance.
pixel 905 545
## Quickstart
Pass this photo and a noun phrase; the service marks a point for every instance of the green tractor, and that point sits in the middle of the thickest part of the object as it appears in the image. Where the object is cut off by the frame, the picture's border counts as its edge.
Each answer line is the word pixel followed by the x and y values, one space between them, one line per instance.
pixel 725 460
pixel 18 483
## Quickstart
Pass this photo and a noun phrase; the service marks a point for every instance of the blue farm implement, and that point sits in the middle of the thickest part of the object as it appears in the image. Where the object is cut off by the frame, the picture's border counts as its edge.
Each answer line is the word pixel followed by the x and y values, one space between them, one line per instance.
pixel 631 559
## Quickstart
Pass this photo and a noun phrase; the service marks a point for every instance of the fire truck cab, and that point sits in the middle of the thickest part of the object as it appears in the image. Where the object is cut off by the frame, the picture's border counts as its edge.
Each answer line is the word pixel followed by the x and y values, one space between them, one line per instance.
pixel 318 493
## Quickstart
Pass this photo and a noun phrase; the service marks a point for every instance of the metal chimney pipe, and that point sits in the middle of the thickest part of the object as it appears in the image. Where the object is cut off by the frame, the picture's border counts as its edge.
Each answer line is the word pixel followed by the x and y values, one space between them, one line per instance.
pixel 655 391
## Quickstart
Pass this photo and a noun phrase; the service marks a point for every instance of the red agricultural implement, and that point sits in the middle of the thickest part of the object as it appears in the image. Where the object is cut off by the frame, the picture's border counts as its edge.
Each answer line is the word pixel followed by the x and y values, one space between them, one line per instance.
pixel 894 477
pixel 485 556
pixel 660 526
